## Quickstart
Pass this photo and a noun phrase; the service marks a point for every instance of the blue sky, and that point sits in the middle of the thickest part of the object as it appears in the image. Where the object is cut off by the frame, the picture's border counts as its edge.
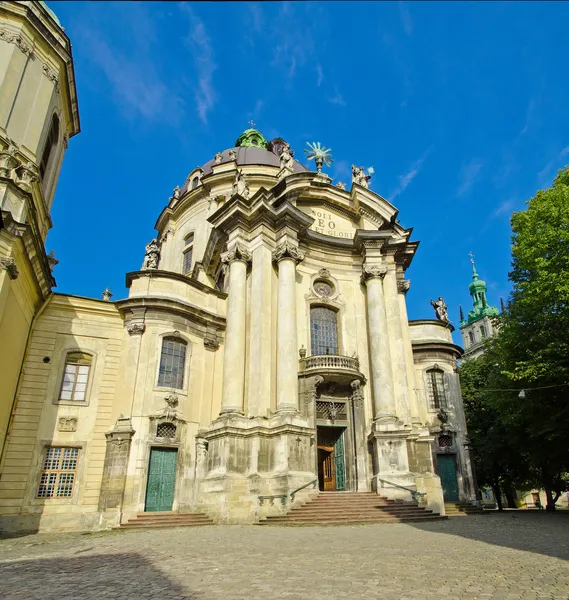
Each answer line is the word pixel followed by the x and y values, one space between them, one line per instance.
pixel 461 108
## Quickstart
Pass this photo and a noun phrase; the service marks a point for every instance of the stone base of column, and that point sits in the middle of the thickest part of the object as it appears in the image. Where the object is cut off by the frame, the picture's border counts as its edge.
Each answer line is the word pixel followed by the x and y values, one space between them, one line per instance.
pixel 230 412
pixel 252 458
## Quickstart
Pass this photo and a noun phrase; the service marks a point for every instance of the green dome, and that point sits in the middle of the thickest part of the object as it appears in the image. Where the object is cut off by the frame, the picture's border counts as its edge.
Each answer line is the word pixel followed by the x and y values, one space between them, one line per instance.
pixel 481 308
pixel 50 12
pixel 251 138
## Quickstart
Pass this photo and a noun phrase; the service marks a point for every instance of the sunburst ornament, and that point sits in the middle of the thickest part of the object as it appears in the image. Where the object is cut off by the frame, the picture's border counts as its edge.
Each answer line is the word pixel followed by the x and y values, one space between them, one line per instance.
pixel 320 155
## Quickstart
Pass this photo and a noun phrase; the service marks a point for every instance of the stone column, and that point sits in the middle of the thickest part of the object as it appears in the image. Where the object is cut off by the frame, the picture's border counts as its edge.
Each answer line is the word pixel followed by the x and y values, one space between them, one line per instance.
pixel 235 333
pixel 287 255
pixel 394 328
pixel 380 355
pixel 403 286
pixel 359 433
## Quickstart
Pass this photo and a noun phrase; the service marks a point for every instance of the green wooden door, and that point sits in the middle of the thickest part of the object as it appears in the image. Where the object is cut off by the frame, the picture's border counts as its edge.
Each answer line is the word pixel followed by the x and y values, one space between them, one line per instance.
pixel 161 479
pixel 339 463
pixel 447 473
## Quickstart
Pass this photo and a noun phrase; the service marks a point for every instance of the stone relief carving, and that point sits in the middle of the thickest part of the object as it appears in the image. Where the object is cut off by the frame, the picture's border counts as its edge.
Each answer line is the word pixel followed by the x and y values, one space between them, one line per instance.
pixel 240 185
pixel 136 328
pixel 51 75
pixel 8 161
pixel 287 157
pixel 152 255
pixel 201 447
pixel 28 175
pixel 211 341
pixel 371 271
pixel 16 39
pixel 403 286
pixel 170 412
pixel 10 265
pixel 238 252
pixel 441 309
pixel 287 250
pixel 218 158
pixel 67 424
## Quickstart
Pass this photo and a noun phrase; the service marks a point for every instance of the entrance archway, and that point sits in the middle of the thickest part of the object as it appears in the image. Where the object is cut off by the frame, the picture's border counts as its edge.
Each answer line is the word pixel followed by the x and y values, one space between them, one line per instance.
pixel 331 458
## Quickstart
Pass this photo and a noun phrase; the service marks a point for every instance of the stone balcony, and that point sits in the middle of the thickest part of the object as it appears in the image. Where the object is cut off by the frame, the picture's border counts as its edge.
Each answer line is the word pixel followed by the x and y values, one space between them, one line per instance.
pixel 332 366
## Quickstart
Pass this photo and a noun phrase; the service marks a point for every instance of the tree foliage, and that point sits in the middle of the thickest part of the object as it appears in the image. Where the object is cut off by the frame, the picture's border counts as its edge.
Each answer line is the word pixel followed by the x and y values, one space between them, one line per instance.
pixel 530 352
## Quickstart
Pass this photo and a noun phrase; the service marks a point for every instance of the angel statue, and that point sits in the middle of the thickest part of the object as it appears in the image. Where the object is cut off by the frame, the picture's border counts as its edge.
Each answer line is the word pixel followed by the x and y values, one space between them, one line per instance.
pixel 321 156
pixel 286 156
pixel 240 185
pixel 152 255
pixel 441 309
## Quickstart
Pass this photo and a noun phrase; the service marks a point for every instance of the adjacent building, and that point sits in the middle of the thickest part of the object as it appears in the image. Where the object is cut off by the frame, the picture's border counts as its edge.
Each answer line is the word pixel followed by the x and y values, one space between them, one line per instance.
pixel 264 345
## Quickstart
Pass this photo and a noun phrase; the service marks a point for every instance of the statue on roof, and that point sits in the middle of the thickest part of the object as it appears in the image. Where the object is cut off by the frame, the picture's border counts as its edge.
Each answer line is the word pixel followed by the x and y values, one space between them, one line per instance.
pixel 152 255
pixel 287 157
pixel 176 192
pixel 240 185
pixel 359 176
pixel 218 158
pixel 233 154
pixel 441 309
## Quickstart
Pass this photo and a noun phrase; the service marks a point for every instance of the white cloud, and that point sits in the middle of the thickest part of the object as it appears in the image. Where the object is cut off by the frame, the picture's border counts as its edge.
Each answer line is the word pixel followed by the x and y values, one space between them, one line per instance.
pixel 503 207
pixel 203 56
pixel 405 180
pixel 468 175
pixel 405 18
pixel 337 98
pixel 320 75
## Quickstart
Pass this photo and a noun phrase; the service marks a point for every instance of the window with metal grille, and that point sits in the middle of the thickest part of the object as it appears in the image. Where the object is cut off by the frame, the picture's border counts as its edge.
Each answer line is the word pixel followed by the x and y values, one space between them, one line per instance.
pixel 166 430
pixel 445 441
pixel 188 252
pixel 323 331
pixel 436 388
pixel 58 472
pixel 172 363
pixel 50 143
pixel 75 377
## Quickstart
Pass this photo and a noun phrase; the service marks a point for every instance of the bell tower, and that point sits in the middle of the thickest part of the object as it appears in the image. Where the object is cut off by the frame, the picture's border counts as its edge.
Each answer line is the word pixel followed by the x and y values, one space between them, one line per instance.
pixel 38 116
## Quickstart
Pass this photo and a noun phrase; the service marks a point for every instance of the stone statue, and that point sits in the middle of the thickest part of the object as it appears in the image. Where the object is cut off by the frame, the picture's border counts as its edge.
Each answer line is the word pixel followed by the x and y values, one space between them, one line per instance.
pixel 152 255
pixel 240 185
pixel 286 156
pixel 218 158
pixel 176 192
pixel 233 154
pixel 340 185
pixel 359 176
pixel 441 309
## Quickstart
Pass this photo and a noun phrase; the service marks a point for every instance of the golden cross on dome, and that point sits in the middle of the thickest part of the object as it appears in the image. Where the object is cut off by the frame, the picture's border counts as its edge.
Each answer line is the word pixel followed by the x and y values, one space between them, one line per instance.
pixel 252 123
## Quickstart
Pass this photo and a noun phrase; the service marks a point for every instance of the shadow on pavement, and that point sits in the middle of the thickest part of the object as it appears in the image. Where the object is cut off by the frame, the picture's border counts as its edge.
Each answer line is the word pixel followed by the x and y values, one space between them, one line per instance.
pixel 537 532
pixel 121 576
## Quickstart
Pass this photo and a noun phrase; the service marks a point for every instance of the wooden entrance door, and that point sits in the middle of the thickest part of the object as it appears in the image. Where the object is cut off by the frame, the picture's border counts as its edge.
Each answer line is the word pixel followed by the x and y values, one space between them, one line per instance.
pixel 326 468
pixel 447 472
pixel 161 479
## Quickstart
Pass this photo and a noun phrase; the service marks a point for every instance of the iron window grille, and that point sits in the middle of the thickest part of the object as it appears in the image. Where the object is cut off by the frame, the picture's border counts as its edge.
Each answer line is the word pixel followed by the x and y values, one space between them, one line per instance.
pixel 75 377
pixel 166 430
pixel 323 331
pixel 436 388
pixel 172 363
pixel 58 473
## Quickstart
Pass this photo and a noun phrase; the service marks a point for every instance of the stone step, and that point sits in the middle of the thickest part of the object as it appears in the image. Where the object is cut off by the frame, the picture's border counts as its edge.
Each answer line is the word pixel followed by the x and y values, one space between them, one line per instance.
pixel 348 509
pixel 284 522
pixel 170 516
pixel 152 525
pixel 166 519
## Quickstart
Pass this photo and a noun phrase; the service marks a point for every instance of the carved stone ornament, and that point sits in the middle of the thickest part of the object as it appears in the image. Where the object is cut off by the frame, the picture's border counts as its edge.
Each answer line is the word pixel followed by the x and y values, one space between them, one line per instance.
pixel 287 250
pixel 171 411
pixel 340 185
pixel 8 161
pixel 403 286
pixel 233 154
pixel 52 76
pixel 442 416
pixel 441 309
pixel 238 252
pixel 10 265
pixel 136 328
pixel 201 447
pixel 371 271
pixel 302 352
pixel 240 186
pixel 67 424
pixel 287 157
pixel 152 255
pixel 176 193
pixel 51 260
pixel 107 295
pixel 218 158
pixel 324 273
pixel 211 341
pixel 16 39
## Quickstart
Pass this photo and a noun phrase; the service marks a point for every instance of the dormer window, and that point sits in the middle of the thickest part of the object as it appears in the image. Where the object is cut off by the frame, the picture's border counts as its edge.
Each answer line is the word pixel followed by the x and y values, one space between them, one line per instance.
pixel 195 182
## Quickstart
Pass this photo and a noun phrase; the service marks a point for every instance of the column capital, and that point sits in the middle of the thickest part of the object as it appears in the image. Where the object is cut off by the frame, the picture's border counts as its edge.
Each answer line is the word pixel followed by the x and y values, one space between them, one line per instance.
pixel 287 250
pixel 403 286
pixel 370 271
pixel 237 252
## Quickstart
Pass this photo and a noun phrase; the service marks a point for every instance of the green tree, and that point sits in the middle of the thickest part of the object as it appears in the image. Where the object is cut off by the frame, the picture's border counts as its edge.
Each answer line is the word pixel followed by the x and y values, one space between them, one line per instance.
pixel 532 347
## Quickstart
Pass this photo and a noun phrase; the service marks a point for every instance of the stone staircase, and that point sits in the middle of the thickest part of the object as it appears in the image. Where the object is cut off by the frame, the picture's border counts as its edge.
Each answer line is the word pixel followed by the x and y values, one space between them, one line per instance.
pixel 462 509
pixel 352 508
pixel 155 520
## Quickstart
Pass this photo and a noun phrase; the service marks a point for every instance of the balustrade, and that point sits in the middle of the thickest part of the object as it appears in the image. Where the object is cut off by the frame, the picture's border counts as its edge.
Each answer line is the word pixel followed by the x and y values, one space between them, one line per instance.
pixel 330 361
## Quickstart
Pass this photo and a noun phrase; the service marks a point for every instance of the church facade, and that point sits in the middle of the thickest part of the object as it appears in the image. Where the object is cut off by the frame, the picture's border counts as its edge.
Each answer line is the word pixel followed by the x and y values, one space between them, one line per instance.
pixel 263 350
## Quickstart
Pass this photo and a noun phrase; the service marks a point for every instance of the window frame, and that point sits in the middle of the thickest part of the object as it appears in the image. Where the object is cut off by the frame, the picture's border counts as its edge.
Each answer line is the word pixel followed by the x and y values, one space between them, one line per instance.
pixel 334 311
pixel 185 369
pixel 189 242
pixel 90 377
pixel 50 143
pixel 59 471
pixel 435 400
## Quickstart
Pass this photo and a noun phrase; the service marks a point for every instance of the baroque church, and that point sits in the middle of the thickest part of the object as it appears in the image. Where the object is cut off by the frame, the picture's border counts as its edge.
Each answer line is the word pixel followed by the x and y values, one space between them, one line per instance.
pixel 262 356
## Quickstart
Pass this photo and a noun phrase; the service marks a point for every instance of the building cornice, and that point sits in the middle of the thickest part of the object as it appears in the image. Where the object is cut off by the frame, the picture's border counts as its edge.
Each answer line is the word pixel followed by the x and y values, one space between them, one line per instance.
pixel 159 273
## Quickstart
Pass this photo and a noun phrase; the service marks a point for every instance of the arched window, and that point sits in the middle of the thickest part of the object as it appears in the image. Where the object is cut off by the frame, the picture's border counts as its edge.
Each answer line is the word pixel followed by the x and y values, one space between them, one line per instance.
pixel 436 388
pixel 323 331
pixel 482 331
pixel 172 363
pixel 188 253
pixel 50 143
pixel 471 337
pixel 75 377
pixel 195 182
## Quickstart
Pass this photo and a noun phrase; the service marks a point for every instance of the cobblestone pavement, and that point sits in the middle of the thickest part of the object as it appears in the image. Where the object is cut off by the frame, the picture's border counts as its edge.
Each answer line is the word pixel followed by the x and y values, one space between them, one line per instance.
pixel 497 556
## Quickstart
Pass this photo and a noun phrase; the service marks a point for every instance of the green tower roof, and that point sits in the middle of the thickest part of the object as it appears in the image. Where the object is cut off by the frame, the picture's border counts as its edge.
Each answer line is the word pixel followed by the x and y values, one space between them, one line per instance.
pixel 251 138
pixel 481 308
